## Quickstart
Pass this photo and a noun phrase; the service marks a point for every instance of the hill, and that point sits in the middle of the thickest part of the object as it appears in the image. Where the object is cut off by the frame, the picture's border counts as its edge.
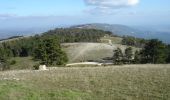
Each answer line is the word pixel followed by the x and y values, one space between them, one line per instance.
pixel 122 30
pixel 11 38
pixel 115 28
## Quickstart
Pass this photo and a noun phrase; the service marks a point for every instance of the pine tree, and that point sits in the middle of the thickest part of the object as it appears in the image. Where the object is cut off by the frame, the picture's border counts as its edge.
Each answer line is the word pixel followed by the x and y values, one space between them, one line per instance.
pixel 50 53
pixel 3 60
pixel 168 54
pixel 128 55
pixel 118 56
pixel 137 57
pixel 168 59
pixel 154 52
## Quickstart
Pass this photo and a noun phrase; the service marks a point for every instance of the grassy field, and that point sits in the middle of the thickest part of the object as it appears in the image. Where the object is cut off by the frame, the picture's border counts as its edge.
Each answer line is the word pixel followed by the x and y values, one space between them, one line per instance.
pixel 80 52
pixel 115 40
pixel 22 63
pixel 129 82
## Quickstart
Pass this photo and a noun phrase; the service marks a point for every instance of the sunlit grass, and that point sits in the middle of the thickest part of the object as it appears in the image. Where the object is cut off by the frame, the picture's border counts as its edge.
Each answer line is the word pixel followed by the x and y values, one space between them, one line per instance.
pixel 129 82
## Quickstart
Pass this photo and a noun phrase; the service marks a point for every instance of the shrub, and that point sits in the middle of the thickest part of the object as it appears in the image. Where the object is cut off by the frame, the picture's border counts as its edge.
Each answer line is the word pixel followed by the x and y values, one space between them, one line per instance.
pixel 36 67
pixel 13 62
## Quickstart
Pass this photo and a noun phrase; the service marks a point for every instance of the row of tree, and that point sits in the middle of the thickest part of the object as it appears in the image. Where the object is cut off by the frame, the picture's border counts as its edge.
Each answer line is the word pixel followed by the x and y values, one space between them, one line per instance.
pixel 77 34
pixel 132 41
pixel 154 52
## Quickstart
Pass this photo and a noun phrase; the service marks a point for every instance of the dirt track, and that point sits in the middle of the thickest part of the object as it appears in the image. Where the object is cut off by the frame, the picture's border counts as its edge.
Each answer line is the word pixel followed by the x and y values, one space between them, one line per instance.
pixel 85 63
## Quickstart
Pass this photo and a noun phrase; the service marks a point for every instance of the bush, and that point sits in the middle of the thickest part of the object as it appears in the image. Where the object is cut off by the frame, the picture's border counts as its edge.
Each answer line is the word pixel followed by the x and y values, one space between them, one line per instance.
pixel 36 67
pixel 13 62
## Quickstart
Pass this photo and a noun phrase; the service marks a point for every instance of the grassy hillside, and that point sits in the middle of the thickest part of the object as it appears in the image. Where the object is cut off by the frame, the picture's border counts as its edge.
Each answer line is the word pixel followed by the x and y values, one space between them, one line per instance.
pixel 80 52
pixel 115 40
pixel 77 52
pixel 130 82
pixel 22 63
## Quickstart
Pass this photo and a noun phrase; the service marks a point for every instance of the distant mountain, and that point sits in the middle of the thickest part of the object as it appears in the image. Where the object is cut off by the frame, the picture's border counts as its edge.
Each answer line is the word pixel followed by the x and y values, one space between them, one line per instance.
pixel 123 30
pixel 147 32
pixel 26 31
pixel 115 28
pixel 6 33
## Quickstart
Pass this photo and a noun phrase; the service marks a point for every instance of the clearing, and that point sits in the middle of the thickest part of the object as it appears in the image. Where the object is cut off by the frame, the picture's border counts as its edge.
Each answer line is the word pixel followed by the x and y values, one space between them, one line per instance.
pixel 82 52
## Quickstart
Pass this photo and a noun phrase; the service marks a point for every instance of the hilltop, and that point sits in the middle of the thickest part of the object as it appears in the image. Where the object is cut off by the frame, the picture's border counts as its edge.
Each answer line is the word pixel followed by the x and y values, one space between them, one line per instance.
pixel 123 30
pixel 147 32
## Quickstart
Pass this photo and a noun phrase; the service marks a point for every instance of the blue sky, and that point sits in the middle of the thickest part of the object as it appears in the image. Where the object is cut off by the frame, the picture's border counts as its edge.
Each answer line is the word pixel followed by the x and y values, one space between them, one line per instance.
pixel 38 13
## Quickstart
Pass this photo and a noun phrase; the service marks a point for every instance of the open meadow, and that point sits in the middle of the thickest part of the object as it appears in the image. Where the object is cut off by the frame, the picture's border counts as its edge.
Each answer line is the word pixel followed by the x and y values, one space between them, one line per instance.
pixel 81 52
pixel 126 82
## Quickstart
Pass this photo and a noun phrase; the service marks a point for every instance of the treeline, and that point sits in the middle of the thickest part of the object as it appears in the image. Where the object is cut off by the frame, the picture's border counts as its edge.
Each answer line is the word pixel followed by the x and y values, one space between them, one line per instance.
pixel 13 37
pixel 154 52
pixel 77 34
pixel 132 41
pixel 46 50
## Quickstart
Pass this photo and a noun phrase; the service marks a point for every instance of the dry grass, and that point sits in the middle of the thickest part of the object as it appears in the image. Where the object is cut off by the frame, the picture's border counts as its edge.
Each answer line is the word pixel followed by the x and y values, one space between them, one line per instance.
pixel 129 82
pixel 115 40
pixel 81 52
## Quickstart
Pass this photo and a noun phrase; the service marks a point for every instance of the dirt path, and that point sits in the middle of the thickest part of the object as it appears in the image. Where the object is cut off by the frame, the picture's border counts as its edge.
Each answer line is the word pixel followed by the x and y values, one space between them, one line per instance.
pixel 83 50
pixel 85 63
pixel 88 46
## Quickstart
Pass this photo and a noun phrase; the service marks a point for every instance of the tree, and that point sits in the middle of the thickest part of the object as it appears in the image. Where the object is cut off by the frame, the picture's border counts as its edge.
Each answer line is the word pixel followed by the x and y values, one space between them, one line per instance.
pixel 133 41
pixel 118 56
pixel 3 60
pixel 128 55
pixel 49 52
pixel 168 59
pixel 168 54
pixel 137 57
pixel 154 52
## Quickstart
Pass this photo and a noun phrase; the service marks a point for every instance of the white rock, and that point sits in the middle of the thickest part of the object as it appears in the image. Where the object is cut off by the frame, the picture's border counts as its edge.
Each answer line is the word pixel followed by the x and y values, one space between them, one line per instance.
pixel 42 67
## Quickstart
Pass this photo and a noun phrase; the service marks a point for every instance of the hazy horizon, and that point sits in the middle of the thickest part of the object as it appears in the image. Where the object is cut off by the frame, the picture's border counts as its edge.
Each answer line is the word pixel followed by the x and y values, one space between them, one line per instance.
pixel 29 17
pixel 42 13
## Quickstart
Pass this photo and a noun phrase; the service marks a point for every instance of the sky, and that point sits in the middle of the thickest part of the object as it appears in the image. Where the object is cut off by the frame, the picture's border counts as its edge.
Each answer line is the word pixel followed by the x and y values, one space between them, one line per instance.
pixel 43 13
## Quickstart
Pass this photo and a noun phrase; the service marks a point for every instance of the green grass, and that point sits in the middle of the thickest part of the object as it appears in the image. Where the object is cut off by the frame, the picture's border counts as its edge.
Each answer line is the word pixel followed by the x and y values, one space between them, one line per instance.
pixel 12 90
pixel 129 82
pixel 22 63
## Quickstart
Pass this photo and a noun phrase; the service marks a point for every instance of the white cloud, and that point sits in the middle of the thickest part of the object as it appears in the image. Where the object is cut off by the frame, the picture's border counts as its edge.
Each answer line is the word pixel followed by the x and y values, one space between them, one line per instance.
pixel 109 6
pixel 112 3
pixel 133 2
